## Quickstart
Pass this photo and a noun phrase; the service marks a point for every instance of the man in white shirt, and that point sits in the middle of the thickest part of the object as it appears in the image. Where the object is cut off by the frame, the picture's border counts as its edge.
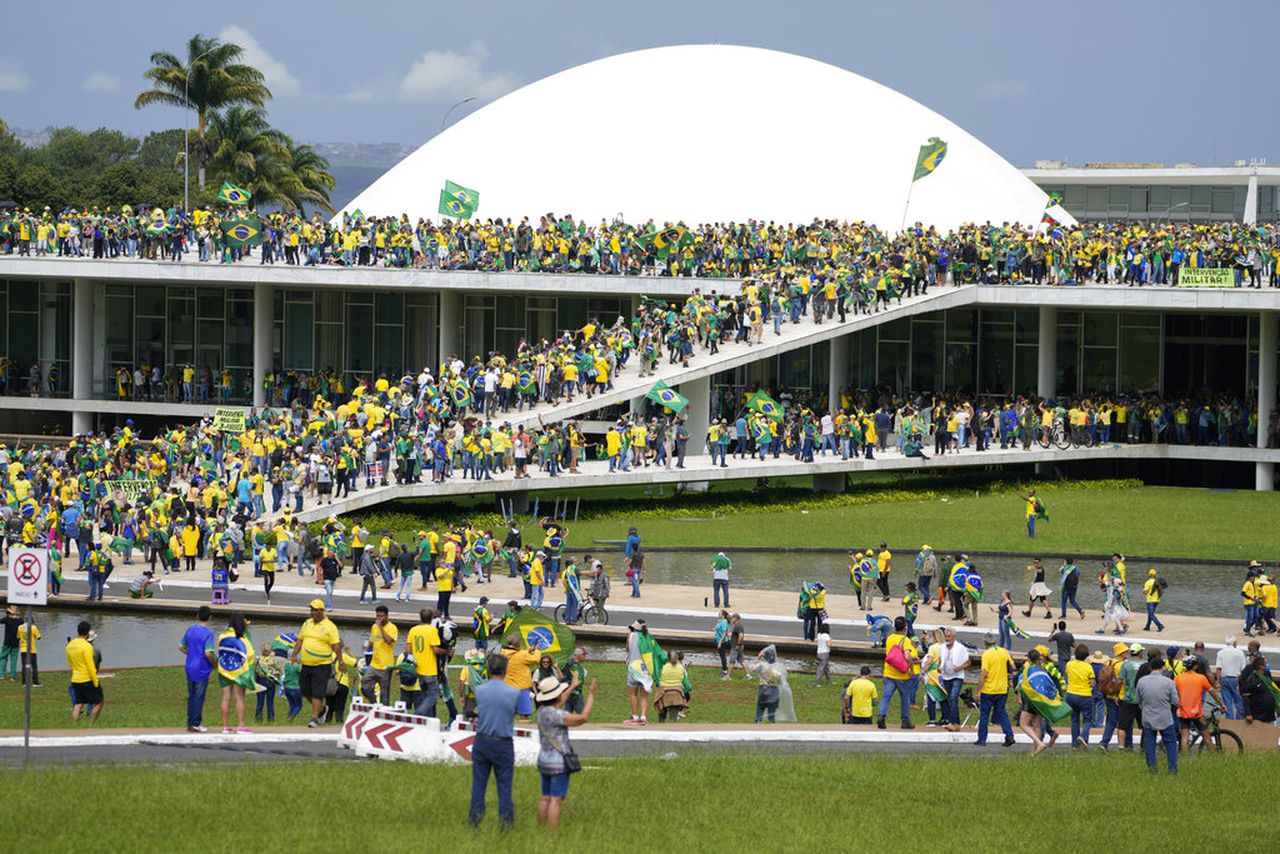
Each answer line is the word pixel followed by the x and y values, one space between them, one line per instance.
pixel 953 660
pixel 1231 662
pixel 828 434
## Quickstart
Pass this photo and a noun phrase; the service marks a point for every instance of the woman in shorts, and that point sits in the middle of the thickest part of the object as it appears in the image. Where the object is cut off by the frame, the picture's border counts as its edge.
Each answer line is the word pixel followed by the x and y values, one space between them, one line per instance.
pixel 554 747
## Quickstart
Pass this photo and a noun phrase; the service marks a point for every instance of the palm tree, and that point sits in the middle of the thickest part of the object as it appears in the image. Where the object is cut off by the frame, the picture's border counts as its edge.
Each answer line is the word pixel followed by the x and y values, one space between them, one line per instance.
pixel 244 145
pixel 314 180
pixel 211 79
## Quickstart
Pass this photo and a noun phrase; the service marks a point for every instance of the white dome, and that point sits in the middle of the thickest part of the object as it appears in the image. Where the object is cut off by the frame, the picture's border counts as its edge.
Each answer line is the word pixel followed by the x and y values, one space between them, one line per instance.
pixel 708 133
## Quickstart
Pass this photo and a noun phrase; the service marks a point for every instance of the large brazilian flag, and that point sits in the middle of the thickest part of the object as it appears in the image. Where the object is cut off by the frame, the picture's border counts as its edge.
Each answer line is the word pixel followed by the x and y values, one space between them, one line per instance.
pixel 537 632
pixel 235 659
pixel 930 157
pixel 764 404
pixel 663 394
pixel 1041 691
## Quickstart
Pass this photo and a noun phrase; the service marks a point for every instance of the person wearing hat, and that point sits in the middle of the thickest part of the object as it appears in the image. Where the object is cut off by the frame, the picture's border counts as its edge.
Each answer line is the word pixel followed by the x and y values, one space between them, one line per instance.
pixel 1153 587
pixel 556 757
pixel 1110 688
pixel 1249 592
pixel 993 697
pixel 1129 712
pixel 9 656
pixel 318 646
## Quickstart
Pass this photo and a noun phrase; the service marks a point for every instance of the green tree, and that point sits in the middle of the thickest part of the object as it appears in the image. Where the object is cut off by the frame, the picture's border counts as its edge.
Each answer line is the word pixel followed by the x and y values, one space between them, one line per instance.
pixel 209 80
pixel 244 144
pixel 162 149
pixel 36 188
pixel 295 178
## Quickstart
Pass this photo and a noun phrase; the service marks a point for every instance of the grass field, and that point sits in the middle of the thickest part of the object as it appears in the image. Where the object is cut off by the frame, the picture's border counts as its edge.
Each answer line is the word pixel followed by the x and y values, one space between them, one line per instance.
pixel 156 697
pixel 1130 518
pixel 694 803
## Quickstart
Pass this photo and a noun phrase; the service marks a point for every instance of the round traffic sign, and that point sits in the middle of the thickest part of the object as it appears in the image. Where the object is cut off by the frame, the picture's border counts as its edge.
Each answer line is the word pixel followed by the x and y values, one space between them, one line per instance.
pixel 27 569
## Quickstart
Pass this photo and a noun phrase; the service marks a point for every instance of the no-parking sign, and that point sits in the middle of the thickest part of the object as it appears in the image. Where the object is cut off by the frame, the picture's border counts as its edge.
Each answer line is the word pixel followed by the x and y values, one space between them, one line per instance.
pixel 28 576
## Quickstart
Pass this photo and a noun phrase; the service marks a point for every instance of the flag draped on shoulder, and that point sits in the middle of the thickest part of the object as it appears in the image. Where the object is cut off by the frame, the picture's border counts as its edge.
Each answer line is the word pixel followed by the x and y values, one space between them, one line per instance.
pixel 930 157
pixel 1041 691
pixel 536 631
pixel 233 195
pixel 457 200
pixel 235 659
pixel 663 395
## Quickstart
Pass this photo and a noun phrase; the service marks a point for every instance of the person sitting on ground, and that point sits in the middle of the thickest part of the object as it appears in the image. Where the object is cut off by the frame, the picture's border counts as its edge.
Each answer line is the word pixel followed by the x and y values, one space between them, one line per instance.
pixel 140 587
pixel 672 702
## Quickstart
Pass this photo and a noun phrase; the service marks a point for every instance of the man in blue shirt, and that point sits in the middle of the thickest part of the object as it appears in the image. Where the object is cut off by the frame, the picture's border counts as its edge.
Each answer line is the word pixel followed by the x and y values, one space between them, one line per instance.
pixel 493 750
pixel 197 645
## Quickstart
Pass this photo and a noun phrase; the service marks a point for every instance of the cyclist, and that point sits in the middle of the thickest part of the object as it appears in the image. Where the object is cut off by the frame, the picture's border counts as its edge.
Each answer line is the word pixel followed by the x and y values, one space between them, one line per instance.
pixel 600 586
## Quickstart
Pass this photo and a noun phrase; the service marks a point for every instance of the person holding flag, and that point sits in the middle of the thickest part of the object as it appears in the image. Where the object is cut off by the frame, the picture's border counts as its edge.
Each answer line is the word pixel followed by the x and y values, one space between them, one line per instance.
pixel 235 670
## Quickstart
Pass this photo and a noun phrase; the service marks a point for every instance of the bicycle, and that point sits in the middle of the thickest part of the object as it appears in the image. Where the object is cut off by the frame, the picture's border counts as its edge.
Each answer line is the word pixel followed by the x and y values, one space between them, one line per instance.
pixel 590 614
pixel 1223 740
pixel 1055 435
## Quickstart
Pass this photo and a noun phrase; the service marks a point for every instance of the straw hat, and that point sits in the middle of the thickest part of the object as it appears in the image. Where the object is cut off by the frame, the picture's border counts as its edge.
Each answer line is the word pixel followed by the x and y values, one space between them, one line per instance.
pixel 549 689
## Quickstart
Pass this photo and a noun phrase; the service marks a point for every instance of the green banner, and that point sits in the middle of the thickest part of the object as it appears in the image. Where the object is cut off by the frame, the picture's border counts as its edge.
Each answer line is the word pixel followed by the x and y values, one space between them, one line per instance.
pixel 228 420
pixel 131 487
pixel 1206 277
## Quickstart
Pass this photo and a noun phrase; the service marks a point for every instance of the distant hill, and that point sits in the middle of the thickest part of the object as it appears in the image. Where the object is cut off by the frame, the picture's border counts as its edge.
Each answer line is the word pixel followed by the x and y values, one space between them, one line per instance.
pixel 352 180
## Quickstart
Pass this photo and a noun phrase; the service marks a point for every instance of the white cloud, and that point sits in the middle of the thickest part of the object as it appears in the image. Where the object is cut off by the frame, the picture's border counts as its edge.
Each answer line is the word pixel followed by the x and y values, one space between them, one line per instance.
pixel 13 81
pixel 442 75
pixel 279 79
pixel 1004 90
pixel 100 81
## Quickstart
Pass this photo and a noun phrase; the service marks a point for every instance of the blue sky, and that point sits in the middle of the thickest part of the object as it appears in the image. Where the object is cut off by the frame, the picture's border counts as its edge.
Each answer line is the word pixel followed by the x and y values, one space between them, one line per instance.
pixel 1087 81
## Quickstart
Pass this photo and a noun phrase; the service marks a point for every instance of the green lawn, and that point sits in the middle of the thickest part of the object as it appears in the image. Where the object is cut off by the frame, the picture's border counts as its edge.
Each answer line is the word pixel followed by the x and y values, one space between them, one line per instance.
pixel 156 697
pixel 1124 516
pixel 691 803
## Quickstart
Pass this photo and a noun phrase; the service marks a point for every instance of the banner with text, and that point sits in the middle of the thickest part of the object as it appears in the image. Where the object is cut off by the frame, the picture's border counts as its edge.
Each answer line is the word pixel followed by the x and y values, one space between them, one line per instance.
pixel 228 420
pixel 131 487
pixel 1206 277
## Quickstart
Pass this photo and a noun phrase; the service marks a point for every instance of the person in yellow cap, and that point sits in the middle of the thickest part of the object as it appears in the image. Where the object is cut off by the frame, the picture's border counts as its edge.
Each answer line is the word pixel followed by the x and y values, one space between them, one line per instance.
pixel 1154 589
pixel 317 648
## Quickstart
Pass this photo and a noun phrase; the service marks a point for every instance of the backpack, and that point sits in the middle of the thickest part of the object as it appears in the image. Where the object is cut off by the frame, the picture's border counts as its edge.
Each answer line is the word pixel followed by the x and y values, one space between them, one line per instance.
pixel 1108 681
pixel 1162 583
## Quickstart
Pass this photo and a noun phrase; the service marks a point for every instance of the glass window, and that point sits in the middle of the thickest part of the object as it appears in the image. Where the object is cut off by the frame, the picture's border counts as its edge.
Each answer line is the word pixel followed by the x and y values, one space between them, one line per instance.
pixel 962 324
pixel 996 368
pixel 1027 326
pixel 390 307
pixel 794 368
pixel 149 340
pixel 926 364
pixel 895 365
pixel 1026 371
pixel 1117 199
pixel 1158 198
pixel 119 322
pixel 421 335
pixel 571 312
pixel 329 306
pixel 24 296
pixel 1097 201
pixel 209 303
pixel 390 353
pixel 1139 360
pixel 1137 200
pixel 865 348
pixel 1068 375
pixel 299 331
pixel 896 330
pixel 511 312
pixel 359 338
pixel 239 342
pixel 961 366
pixel 1074 197
pixel 1099 370
pixel 1146 321
pixel 1200 198
pixel 1100 329
pixel 149 301
pixel 1224 200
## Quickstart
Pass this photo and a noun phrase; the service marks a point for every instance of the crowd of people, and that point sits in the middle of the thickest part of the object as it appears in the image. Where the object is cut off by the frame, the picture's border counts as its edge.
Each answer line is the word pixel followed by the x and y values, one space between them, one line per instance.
pixel 1135 253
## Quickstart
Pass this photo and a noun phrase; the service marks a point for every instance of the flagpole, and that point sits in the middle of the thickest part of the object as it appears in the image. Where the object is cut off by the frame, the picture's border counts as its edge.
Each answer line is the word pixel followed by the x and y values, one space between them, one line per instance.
pixel 906 206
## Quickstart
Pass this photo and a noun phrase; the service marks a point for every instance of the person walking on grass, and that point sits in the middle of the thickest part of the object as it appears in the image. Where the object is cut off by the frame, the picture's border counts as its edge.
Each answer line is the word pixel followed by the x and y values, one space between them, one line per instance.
pixel 493 751
pixel 1029 719
pixel 86 689
pixel 721 637
pixel 198 646
pixel 737 647
pixel 639 680
pixel 993 696
pixel 901 663
pixel 317 648
pixel 1081 682
pixel 823 641
pixel 1157 698
pixel 556 757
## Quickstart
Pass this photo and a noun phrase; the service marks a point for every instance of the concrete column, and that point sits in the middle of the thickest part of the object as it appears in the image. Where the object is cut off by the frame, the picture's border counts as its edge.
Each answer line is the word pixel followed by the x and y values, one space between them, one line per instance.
pixel 697 413
pixel 1264 474
pixel 838 370
pixel 450 325
pixel 264 324
pixel 82 352
pixel 1251 201
pixel 1047 353
pixel 832 482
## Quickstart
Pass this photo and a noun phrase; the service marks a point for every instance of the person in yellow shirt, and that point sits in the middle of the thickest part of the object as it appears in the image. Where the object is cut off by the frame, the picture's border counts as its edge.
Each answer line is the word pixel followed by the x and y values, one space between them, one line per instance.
pixel 316 649
pixel 993 682
pixel 382 641
pixel 423 643
pixel 1250 595
pixel 859 698
pixel 444 584
pixel 898 681
pixel 267 561
pixel 1153 587
pixel 884 562
pixel 86 691
pixel 520 664
pixel 1080 684
pixel 27 653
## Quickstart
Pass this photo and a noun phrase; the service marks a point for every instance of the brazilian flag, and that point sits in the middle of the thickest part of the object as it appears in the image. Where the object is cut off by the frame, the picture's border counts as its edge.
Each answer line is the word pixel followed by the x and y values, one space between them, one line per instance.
pixel 764 404
pixel 461 395
pixel 1041 691
pixel 537 632
pixel 233 195
pixel 525 381
pixel 668 237
pixel 235 659
pixel 973 585
pixel 930 157
pixel 664 395
pixel 243 232
pixel 284 643
pixel 457 200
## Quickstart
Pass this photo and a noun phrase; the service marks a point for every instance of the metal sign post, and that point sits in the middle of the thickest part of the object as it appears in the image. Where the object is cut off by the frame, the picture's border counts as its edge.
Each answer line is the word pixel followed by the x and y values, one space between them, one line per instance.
pixel 29 584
